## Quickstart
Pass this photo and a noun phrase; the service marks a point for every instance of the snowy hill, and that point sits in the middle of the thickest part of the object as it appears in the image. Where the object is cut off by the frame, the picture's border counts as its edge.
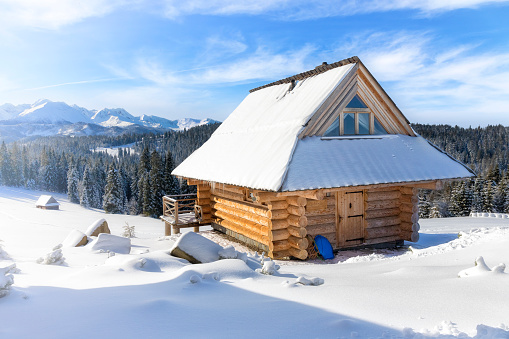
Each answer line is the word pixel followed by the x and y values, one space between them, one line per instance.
pixel 414 292
pixel 46 118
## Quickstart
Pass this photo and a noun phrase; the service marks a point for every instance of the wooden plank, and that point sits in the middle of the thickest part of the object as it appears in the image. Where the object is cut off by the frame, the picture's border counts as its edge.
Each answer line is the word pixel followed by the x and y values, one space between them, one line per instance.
pixel 242 205
pixel 309 194
pixel 298 243
pixel 298 221
pixel 321 219
pixel 382 204
pixel 296 210
pixel 380 232
pixel 383 195
pixel 409 217
pixel 277 205
pixel 299 232
pixel 409 208
pixel 278 224
pixel 381 213
pixel 321 229
pixel 247 215
pixel 227 194
pixel 296 201
pixel 316 206
pixel 383 222
pixel 281 234
pixel 277 214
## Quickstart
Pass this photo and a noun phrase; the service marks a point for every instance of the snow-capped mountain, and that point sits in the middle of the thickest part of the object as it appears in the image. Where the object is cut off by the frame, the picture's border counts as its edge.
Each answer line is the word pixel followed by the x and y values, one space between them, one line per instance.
pixel 45 117
pixel 49 112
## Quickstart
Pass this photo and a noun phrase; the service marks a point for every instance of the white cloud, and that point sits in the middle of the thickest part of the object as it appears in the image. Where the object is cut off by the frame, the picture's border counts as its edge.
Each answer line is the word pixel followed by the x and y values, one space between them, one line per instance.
pixel 441 85
pixel 53 14
pixel 263 64
pixel 312 9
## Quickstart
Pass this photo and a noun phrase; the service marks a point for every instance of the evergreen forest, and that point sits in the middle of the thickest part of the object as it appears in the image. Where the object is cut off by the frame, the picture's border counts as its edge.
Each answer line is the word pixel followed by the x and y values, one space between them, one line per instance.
pixel 134 178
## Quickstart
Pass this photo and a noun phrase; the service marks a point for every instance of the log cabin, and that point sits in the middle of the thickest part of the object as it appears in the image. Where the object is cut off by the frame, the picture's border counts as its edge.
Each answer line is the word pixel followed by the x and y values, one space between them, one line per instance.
pixel 47 202
pixel 322 152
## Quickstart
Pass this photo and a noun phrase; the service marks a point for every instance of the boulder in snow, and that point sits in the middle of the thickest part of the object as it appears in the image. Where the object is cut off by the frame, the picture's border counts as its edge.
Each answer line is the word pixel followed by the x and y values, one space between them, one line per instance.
pixel 196 249
pixel 99 226
pixel 111 243
pixel 75 238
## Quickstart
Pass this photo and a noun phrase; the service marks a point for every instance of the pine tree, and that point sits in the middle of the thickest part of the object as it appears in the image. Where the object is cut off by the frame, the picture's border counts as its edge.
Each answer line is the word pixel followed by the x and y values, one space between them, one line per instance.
pixel 88 192
pixel 113 194
pixel 424 205
pixel 435 212
pixel 487 198
pixel 5 166
pixel 72 185
pixel 170 183
pixel 156 185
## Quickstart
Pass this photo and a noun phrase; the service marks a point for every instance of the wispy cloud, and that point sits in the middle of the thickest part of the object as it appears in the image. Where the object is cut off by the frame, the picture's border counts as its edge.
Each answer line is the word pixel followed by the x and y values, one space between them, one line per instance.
pixel 54 14
pixel 263 64
pixel 313 9
pixel 436 84
pixel 75 83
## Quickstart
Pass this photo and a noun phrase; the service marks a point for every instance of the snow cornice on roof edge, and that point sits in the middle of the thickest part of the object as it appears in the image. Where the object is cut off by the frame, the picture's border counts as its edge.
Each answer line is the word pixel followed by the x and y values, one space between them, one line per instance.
pixel 317 70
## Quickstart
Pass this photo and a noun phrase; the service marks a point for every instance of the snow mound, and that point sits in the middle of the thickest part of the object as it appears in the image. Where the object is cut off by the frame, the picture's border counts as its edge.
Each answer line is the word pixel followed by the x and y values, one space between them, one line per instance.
pixel 75 238
pixel 111 243
pixel 197 249
pixel 310 282
pixel 6 279
pixel 480 268
pixel 448 329
pixel 269 268
pixel 55 257
pixel 128 263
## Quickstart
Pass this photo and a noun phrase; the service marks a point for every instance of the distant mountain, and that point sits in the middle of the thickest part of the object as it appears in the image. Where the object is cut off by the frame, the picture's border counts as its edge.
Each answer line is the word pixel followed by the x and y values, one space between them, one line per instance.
pixel 45 117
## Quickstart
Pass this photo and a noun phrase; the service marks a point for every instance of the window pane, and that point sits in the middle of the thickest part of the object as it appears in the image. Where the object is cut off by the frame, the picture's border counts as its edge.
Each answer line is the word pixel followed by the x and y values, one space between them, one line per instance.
pixel 356 103
pixel 333 130
pixel 379 128
pixel 363 123
pixel 349 123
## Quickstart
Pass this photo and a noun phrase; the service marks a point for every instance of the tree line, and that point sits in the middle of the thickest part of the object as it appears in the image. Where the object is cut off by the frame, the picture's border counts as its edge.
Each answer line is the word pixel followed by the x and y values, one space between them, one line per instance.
pixel 131 181
pixel 134 179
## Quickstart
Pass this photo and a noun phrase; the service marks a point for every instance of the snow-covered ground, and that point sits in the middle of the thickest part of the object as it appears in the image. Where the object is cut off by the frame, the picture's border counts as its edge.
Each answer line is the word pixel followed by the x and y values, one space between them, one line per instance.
pixel 113 151
pixel 410 293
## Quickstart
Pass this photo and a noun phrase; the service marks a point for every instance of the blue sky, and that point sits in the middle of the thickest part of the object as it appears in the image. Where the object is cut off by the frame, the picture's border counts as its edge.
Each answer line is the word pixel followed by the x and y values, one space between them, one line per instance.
pixel 441 61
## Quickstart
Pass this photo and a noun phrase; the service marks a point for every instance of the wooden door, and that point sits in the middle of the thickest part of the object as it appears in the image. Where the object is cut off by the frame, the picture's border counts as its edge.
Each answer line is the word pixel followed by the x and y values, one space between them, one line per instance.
pixel 349 218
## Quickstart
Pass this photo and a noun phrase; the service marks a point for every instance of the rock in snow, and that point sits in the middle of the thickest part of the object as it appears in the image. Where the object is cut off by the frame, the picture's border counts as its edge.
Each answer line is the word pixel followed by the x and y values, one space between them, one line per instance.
pixel 196 249
pixel 99 226
pixel 75 238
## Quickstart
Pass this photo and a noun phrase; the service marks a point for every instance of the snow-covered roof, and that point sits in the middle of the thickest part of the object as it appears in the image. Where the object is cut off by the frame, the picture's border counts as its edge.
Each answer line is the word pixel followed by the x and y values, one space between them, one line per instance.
pixel 253 146
pixel 343 162
pixel 258 147
pixel 46 200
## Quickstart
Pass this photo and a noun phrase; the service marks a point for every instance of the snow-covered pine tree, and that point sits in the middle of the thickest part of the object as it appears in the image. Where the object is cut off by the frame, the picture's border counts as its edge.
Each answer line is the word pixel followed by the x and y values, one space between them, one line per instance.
pixel 87 194
pixel 156 184
pixel 487 197
pixel 113 194
pixel 424 205
pixel 72 185
pixel 435 212
pixel 170 183
pixel 477 194
pixel 499 197
pixel 5 166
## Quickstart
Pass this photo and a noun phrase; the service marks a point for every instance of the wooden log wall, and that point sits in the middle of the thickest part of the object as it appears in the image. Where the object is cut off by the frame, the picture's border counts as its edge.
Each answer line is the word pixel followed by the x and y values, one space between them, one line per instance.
pixel 382 215
pixel 203 199
pixel 244 218
pixel 409 214
pixel 321 217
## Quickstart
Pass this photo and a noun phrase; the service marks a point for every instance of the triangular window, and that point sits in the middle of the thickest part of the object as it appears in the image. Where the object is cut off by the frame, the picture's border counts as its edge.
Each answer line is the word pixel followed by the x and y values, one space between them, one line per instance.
pixel 356 102
pixel 355 119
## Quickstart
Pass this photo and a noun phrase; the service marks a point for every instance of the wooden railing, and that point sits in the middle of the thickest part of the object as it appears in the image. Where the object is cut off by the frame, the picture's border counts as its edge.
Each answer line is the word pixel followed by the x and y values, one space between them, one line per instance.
pixel 173 205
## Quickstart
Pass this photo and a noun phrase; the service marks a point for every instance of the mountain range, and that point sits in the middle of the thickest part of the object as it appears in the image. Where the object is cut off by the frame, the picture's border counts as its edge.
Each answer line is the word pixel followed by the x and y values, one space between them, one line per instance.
pixel 45 118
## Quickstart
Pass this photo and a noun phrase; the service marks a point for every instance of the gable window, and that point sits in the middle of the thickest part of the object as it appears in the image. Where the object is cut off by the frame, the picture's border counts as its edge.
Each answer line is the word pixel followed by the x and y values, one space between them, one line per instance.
pixel 355 119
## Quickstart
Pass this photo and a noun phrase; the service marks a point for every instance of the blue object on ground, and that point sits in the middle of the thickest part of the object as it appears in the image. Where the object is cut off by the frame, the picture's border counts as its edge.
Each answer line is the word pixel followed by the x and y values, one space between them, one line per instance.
pixel 324 247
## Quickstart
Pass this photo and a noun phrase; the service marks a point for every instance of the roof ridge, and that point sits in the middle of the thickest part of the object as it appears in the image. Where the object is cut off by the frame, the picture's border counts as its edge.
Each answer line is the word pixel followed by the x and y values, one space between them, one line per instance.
pixel 324 67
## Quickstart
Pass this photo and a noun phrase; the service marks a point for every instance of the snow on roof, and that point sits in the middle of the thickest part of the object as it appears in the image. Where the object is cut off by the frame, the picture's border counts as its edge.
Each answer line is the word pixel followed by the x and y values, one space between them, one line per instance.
pixel 253 146
pixel 46 200
pixel 342 162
